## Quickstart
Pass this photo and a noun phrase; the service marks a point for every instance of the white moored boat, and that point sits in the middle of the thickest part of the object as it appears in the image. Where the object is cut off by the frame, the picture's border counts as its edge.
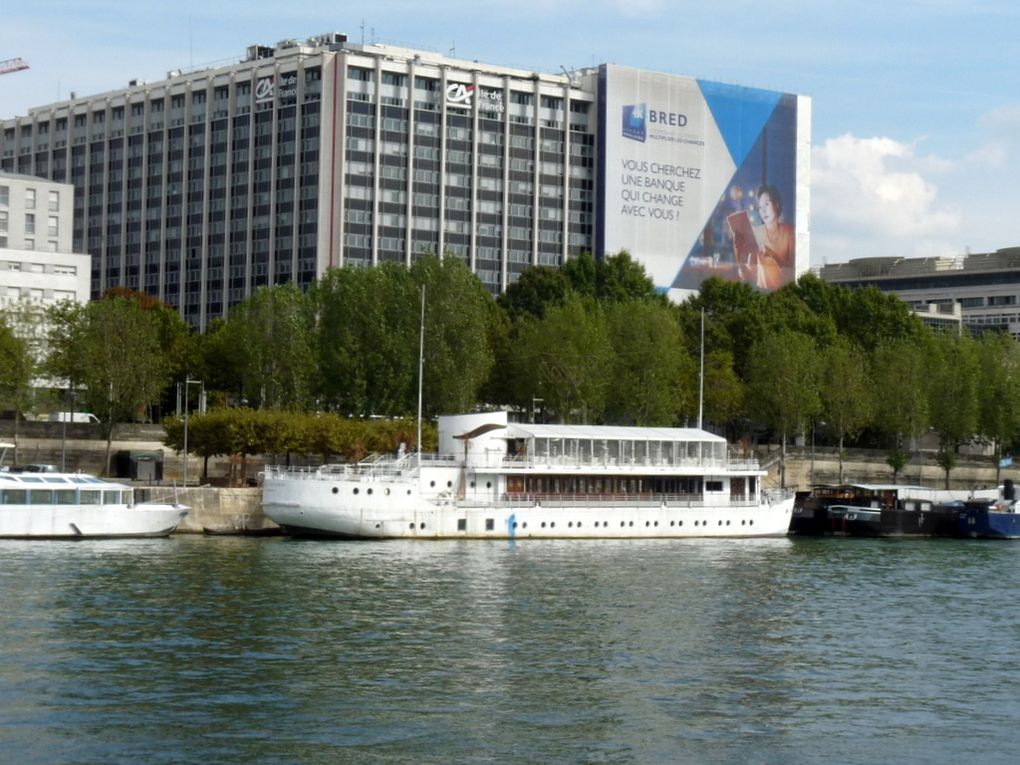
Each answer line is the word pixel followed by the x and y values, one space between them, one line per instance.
pixel 78 506
pixel 499 480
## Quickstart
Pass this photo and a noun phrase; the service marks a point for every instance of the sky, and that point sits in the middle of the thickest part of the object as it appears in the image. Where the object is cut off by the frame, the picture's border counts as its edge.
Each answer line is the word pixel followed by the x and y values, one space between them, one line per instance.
pixel 915 103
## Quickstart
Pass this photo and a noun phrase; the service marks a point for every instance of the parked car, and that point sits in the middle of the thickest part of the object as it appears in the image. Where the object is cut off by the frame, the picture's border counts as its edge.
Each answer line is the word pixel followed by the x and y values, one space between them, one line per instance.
pixel 73 417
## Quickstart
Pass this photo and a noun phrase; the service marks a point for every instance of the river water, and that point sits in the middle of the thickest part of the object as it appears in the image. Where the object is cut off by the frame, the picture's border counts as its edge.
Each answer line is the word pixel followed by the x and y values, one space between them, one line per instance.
pixel 227 650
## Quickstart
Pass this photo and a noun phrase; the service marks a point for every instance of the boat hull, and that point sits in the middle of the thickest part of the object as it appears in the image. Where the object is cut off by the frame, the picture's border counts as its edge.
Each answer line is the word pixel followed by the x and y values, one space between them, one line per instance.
pixel 309 508
pixel 89 522
pixel 986 523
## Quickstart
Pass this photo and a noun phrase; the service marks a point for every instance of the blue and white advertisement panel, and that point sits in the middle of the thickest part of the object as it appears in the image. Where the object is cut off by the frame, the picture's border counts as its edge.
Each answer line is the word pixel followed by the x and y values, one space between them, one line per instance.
pixel 701 179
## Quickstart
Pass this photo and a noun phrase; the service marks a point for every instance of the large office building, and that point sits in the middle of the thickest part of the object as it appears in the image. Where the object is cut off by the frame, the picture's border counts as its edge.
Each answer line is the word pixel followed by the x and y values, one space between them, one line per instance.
pixel 204 186
pixel 979 290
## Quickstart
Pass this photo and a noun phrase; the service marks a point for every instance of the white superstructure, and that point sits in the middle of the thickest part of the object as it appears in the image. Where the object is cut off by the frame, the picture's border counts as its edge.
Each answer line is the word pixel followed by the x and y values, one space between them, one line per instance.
pixel 494 479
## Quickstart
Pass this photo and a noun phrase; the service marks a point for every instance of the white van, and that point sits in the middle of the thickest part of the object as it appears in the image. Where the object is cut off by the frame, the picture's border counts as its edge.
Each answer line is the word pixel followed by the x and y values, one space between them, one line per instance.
pixel 73 417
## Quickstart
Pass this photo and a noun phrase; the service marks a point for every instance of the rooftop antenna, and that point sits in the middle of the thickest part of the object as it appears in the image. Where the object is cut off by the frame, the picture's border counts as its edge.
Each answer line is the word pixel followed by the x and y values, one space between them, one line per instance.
pixel 362 31
pixel 453 49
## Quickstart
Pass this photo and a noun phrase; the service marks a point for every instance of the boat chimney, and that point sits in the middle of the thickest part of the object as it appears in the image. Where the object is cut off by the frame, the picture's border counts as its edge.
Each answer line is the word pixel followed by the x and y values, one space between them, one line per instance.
pixel 1008 492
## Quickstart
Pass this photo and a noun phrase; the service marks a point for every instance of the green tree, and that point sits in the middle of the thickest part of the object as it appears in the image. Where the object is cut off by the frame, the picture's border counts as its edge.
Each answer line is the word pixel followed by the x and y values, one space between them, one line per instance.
pixel 653 379
pixel 537 288
pixel 621 279
pixel 999 392
pixel 864 316
pixel 846 391
pixel 111 349
pixel 952 379
pixel 22 347
pixel 459 318
pixel 723 390
pixel 783 384
pixel 273 334
pixel 899 372
pixel 368 324
pixel 565 359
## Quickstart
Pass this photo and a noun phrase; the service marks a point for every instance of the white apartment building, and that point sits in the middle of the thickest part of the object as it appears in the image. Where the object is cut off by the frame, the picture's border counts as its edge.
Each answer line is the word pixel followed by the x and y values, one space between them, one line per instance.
pixel 36 234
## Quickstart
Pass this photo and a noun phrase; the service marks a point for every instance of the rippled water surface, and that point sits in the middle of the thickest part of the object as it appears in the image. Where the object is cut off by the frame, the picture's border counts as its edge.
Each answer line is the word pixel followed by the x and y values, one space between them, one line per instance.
pixel 220 650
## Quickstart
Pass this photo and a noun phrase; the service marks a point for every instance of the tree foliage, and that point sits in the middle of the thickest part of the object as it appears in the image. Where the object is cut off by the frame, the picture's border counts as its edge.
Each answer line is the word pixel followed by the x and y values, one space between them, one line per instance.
pixel 111 349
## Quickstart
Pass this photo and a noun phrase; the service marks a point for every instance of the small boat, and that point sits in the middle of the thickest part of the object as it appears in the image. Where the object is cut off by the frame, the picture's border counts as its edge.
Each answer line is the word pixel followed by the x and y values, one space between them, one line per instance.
pixel 47 505
pixel 494 479
pixel 984 519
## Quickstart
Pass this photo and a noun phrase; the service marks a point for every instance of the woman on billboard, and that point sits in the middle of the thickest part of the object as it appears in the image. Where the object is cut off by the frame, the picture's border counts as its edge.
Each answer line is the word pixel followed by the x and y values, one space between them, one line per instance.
pixel 766 256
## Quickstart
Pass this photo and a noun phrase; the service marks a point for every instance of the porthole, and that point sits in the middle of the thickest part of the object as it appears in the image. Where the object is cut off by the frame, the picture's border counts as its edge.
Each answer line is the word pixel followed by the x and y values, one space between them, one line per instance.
pixel 356 490
pixel 543 524
pixel 524 525
pixel 727 523
pixel 656 524
pixel 378 525
pixel 570 524
pixel 720 523
pixel 672 524
pixel 750 523
pixel 488 484
pixel 743 522
pixel 681 523
pixel 578 524
pixel 449 484
pixel 622 524
pixel 632 523
pixel 423 527
pixel 336 490
pixel 472 484
pixel 513 525
pixel 369 491
pixel 432 484
pixel 409 492
pixel 552 524
pixel 411 526
pixel 647 524
pixel 387 492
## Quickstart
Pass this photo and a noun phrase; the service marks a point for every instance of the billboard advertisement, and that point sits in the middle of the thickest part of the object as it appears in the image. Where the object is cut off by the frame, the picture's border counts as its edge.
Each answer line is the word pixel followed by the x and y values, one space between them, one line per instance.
pixel 699 179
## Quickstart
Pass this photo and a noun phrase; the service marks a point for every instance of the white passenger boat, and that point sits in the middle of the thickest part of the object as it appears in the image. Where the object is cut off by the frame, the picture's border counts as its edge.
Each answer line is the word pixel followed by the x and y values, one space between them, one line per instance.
pixel 499 480
pixel 78 506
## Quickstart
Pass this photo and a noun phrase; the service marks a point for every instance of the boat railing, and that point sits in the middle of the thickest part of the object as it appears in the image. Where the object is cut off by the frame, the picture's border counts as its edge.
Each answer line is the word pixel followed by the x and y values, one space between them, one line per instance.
pixel 648 499
pixel 526 462
pixel 378 467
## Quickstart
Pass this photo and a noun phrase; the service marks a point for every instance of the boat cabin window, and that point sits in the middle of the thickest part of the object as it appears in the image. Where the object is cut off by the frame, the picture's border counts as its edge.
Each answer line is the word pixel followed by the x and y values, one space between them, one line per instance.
pixel 111 497
pixel 64 496
pixel 713 486
pixel 91 496
pixel 40 497
pixel 13 496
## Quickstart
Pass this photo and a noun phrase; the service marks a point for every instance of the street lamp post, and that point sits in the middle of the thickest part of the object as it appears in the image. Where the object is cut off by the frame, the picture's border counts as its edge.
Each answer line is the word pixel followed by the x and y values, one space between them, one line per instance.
pixel 187 382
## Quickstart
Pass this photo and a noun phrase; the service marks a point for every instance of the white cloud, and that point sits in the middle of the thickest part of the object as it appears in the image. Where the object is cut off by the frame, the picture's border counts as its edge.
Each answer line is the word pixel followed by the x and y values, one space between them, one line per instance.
pixel 873 196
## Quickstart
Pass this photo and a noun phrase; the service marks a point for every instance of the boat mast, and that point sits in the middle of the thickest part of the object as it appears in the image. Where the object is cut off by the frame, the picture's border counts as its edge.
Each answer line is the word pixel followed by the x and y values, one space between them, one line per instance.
pixel 421 363
pixel 701 375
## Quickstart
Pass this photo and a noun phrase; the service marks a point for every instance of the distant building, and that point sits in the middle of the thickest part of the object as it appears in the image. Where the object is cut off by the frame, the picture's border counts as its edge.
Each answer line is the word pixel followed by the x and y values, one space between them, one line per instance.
pixel 36 258
pixel 983 288
pixel 204 186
